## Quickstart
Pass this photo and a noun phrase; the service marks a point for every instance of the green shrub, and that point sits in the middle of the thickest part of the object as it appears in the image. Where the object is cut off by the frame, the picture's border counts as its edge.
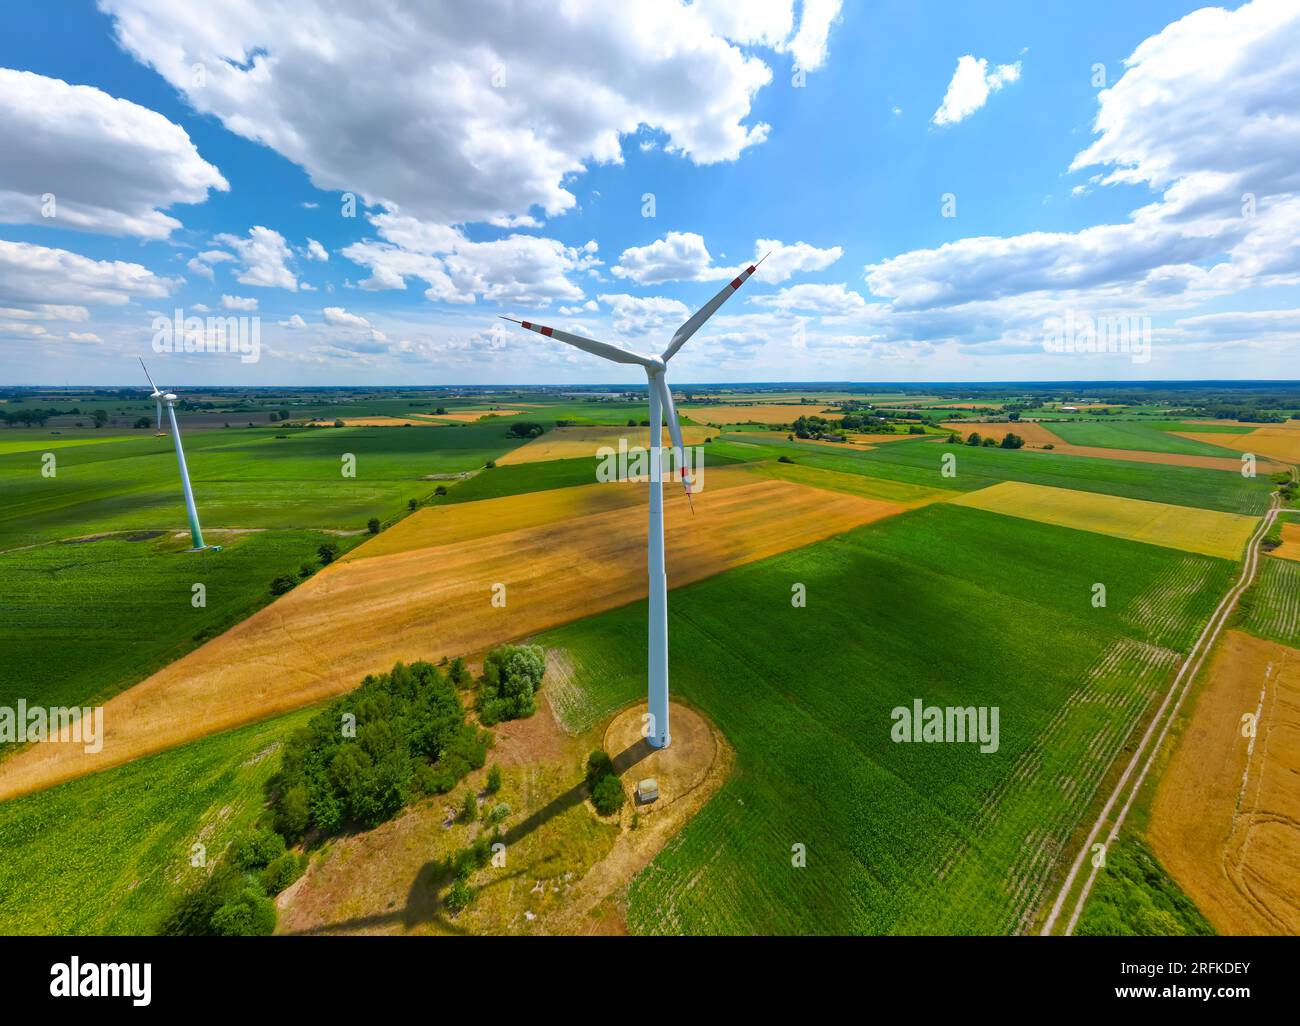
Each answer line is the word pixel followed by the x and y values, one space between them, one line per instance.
pixel 281 872
pixel 249 915
pixel 494 779
pixel 283 583
pixel 459 897
pixel 608 796
pixel 599 765
pixel 256 849
pixel 511 676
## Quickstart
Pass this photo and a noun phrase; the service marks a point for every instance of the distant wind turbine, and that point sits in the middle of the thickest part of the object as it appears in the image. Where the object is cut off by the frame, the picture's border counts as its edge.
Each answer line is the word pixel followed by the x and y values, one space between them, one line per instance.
pixel 159 397
pixel 661 405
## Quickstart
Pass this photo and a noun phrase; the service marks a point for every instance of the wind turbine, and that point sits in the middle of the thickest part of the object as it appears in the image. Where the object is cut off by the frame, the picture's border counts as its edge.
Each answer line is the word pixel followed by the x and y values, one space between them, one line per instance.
pixel 157 398
pixel 661 407
pixel 196 535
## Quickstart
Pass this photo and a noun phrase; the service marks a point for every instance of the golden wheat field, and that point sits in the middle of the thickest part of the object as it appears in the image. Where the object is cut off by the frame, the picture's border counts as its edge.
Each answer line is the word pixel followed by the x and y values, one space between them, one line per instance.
pixel 1282 443
pixel 1225 820
pixel 568 443
pixel 759 413
pixel 1290 547
pixel 361 615
pixel 1206 531
pixel 463 521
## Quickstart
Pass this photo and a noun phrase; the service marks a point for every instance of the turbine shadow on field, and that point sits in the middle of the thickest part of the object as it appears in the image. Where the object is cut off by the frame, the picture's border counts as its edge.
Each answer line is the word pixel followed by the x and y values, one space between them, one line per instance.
pixel 424 901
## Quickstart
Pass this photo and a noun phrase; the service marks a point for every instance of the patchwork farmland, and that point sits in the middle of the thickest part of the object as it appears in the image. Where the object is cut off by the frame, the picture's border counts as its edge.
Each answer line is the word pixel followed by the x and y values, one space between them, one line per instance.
pixel 912 584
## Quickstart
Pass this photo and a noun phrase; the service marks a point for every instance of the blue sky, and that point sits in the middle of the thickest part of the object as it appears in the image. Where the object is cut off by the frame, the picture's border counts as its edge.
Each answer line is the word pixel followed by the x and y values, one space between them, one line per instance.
pixel 204 147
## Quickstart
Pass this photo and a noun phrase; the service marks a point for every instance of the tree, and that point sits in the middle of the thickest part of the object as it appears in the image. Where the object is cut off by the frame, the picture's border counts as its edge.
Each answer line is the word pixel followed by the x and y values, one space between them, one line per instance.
pixel 512 674
pixel 608 796
pixel 328 553
pixel 372 525
pixel 339 423
pixel 100 418
pixel 974 438
pixel 413 504
pixel 282 584
pixel 494 779
pixel 1010 441
pixel 1013 416
pixel 141 422
pixel 599 766
pixel 469 807
pixel 631 423
pixel 440 490
pixel 989 442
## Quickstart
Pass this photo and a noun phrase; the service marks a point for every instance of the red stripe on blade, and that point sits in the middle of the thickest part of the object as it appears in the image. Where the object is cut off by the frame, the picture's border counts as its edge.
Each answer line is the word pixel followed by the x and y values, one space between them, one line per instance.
pixel 737 283
pixel 545 331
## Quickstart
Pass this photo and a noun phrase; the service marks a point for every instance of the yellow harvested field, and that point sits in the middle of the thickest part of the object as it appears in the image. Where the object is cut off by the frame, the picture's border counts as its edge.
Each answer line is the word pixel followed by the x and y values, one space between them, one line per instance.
pixel 463 521
pixel 359 616
pixel 759 413
pixel 1225 821
pixel 1206 531
pixel 1282 443
pixel 568 443
pixel 469 416
pixel 1290 547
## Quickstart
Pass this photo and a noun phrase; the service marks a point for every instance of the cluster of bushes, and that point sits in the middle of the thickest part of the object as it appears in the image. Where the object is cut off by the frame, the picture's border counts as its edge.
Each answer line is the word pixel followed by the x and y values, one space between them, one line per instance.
pixel 603 785
pixel 399 735
pixel 327 553
pixel 1009 440
pixel 237 899
pixel 525 429
pixel 37 416
pixel 512 675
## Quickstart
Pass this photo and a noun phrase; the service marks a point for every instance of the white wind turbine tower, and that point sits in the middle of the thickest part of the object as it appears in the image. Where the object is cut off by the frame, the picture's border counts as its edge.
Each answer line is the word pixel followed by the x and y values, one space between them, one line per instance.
pixel 159 397
pixel 661 406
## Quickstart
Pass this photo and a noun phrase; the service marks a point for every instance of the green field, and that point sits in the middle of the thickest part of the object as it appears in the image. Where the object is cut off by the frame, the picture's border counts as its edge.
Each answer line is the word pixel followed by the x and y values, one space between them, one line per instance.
pixel 518 478
pixel 110 853
pixel 953 606
pixel 81 621
pixel 242 478
pixel 1271 608
pixel 921 463
pixel 1108 434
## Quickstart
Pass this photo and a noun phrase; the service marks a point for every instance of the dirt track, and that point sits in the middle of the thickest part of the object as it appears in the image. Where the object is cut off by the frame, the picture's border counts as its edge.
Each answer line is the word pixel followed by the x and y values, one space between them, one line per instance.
pixel 1128 785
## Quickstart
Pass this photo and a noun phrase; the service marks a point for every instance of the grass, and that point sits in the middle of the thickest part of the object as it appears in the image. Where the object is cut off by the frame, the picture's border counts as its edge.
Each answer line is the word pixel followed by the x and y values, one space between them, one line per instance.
pixel 80 622
pixel 68 866
pixel 1136 897
pixel 921 463
pixel 1128 435
pixel 954 606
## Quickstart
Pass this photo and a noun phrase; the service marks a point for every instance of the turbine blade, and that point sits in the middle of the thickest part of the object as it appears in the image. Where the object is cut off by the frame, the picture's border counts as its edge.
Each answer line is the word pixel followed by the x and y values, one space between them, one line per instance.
pixel 675 433
pixel 589 345
pixel 148 375
pixel 708 310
